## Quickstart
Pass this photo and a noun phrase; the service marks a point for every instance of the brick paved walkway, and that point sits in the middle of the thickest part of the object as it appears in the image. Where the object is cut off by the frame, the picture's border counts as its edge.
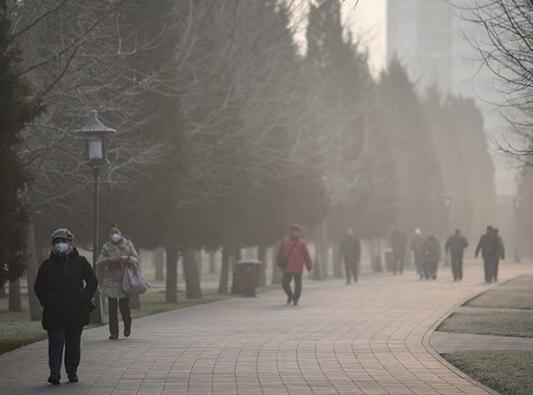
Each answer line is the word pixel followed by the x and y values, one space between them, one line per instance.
pixel 369 338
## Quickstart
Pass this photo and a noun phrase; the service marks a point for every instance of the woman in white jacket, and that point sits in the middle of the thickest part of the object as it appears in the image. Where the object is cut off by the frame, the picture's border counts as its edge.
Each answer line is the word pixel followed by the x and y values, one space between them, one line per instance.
pixel 116 255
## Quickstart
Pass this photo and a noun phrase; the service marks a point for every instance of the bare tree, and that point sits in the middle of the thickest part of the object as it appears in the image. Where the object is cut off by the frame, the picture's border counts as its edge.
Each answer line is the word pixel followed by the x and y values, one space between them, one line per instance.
pixel 508 53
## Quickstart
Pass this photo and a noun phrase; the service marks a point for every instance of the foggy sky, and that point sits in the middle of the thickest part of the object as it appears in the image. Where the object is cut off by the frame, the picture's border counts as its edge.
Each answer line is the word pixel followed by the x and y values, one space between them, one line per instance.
pixel 369 22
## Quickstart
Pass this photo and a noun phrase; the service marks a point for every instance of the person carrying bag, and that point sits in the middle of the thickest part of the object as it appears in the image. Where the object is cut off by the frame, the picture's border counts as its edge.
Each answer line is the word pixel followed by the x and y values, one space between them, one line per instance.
pixel 291 257
pixel 117 257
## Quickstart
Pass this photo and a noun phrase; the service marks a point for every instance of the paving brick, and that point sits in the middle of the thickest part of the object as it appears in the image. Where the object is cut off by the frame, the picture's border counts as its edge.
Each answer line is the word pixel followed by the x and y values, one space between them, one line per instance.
pixel 370 338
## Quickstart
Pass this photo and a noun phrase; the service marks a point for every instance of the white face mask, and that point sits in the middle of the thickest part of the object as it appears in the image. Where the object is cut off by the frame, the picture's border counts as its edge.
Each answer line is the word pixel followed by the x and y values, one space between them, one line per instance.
pixel 115 237
pixel 61 248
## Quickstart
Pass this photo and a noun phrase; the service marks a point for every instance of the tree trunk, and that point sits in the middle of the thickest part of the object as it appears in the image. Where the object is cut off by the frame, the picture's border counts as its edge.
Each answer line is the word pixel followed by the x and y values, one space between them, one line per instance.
pixel 192 277
pixel 172 274
pixel 212 262
pixel 135 301
pixel 337 264
pixel 235 278
pixel 262 256
pixel 317 270
pixel 33 259
pixel 276 271
pixel 15 300
pixel 324 253
pixel 159 258
pixel 224 272
pixel 199 259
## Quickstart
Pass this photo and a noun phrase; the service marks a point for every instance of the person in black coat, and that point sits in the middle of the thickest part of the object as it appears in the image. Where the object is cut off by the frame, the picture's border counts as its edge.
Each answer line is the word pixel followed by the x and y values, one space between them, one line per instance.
pixel 456 245
pixel 398 241
pixel 490 251
pixel 500 254
pixel 431 253
pixel 350 251
pixel 65 285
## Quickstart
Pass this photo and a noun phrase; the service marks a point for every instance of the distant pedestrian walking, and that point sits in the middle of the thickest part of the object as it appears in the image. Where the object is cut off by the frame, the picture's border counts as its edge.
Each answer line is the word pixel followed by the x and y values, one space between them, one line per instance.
pixel 431 253
pixel 398 241
pixel 350 252
pixel 455 246
pixel 416 246
pixel 65 285
pixel 489 246
pixel 117 254
pixel 291 256
pixel 501 254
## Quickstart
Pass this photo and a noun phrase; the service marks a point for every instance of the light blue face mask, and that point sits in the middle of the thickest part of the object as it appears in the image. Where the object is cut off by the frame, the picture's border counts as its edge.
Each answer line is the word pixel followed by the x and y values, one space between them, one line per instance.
pixel 115 237
pixel 61 248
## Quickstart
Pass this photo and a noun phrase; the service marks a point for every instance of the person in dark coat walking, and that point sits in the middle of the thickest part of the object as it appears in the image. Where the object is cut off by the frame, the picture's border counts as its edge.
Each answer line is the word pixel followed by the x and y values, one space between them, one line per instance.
pixel 455 246
pixel 416 246
pixel 489 247
pixel 500 255
pixel 291 256
pixel 65 286
pixel 398 241
pixel 350 252
pixel 431 253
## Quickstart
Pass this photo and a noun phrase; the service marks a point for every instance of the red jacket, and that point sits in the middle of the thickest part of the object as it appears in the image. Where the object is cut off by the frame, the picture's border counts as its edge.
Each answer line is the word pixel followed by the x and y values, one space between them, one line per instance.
pixel 299 256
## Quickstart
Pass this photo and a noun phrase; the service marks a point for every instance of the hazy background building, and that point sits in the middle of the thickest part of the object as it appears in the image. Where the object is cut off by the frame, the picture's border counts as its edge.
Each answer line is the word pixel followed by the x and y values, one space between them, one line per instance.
pixel 437 45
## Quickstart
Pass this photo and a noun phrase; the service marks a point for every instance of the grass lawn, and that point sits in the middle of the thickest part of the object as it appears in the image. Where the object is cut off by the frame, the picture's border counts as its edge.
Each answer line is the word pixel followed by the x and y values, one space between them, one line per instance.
pixel 508 372
pixel 514 294
pixel 494 323
pixel 16 329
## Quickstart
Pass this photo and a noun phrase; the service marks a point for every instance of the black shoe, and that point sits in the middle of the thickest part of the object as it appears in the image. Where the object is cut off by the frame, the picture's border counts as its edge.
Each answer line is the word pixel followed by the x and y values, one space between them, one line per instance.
pixel 54 379
pixel 113 337
pixel 73 378
pixel 289 300
pixel 127 328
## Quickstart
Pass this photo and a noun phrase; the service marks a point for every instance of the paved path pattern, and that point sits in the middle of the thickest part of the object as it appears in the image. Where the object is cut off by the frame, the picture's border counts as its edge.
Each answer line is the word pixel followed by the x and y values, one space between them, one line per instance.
pixel 369 338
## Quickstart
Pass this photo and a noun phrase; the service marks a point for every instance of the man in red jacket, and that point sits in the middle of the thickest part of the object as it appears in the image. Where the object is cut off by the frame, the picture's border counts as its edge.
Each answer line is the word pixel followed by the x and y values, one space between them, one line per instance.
pixel 291 256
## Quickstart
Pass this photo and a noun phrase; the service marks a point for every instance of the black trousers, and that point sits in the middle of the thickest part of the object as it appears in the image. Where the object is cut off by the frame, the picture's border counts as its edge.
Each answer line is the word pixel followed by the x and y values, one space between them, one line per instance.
pixel 352 270
pixel 398 258
pixel 430 268
pixel 67 338
pixel 490 265
pixel 286 284
pixel 124 305
pixel 457 267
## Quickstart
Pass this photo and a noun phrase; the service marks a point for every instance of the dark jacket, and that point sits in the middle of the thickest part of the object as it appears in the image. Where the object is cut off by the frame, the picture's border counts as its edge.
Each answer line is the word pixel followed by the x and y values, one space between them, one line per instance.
pixel 417 244
pixel 431 250
pixel 65 286
pixel 398 240
pixel 489 246
pixel 350 249
pixel 501 248
pixel 456 245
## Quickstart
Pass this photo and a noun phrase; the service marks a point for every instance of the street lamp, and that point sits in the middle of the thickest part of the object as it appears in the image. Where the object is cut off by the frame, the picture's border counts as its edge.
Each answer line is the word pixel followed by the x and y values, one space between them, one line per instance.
pixel 96 133
pixel 516 207
pixel 447 202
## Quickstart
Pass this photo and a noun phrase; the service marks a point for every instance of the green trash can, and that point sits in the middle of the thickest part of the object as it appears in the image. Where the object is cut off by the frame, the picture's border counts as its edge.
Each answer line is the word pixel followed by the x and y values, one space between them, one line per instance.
pixel 248 270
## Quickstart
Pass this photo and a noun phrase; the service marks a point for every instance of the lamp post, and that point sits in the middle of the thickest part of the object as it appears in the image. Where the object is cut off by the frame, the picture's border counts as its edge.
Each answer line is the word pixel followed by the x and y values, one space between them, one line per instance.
pixel 516 207
pixel 447 202
pixel 96 133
